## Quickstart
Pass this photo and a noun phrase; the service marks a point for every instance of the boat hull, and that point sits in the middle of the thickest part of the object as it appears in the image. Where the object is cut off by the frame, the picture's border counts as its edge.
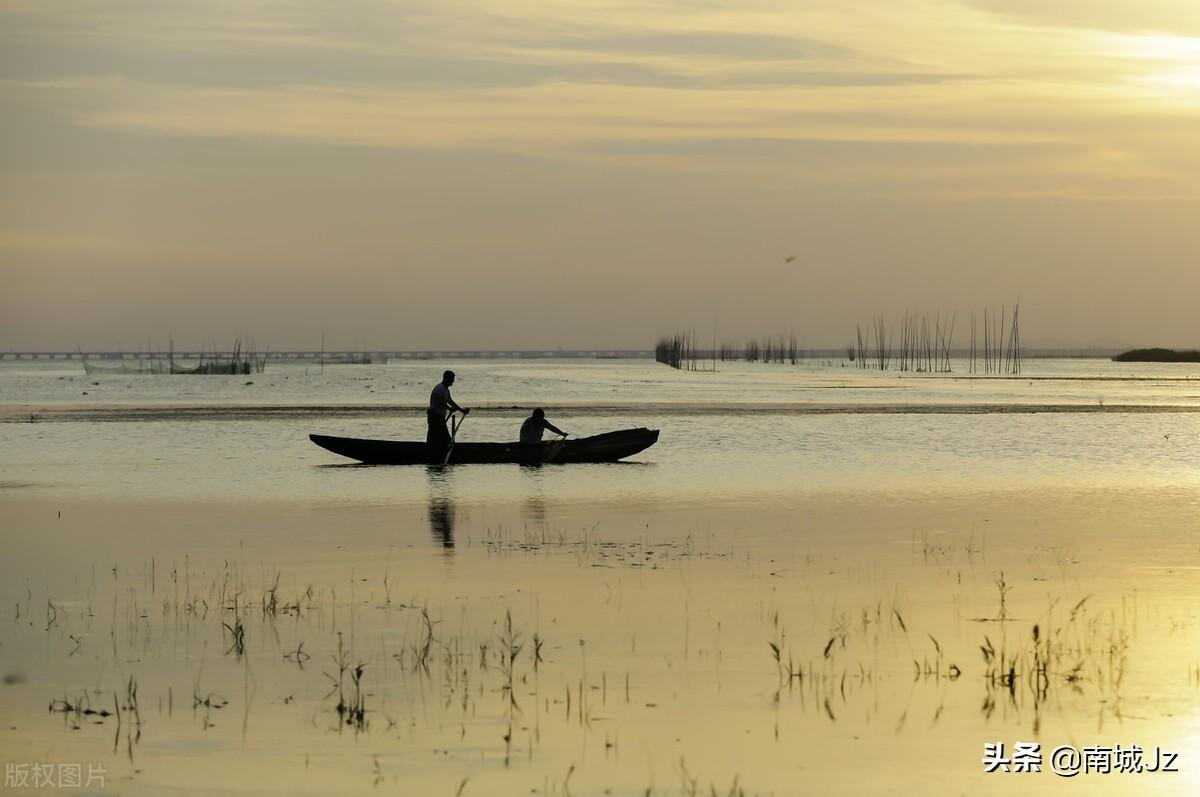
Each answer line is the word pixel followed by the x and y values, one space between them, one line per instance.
pixel 608 447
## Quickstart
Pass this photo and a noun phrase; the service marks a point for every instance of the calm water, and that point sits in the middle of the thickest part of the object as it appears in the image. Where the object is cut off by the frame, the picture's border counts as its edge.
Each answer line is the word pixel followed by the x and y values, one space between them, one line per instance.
pixel 601 629
pixel 745 431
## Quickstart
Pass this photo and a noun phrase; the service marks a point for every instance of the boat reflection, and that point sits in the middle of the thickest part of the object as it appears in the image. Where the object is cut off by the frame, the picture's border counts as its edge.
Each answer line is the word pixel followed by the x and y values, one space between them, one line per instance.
pixel 441 506
pixel 533 508
pixel 441 520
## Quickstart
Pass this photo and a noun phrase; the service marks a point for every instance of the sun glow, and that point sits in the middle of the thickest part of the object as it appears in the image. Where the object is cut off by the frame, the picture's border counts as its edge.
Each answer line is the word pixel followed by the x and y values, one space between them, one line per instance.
pixel 1156 47
pixel 1187 78
pixel 1169 65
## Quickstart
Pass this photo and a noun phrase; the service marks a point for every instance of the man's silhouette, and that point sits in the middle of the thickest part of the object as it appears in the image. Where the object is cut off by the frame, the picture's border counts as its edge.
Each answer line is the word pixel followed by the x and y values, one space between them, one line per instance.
pixel 535 424
pixel 440 407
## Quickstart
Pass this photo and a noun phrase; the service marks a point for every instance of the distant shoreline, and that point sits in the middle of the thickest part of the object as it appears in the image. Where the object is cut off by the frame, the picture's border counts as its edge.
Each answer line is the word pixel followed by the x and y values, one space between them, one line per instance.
pixel 1157 355
pixel 225 413
pixel 379 355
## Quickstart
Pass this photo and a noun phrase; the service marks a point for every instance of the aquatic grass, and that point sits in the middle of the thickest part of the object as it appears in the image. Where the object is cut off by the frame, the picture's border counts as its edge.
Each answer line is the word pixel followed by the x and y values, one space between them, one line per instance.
pixel 510 647
pixel 237 635
pixel 351 708
pixel 476 675
pixel 80 708
pixel 298 656
pixel 1083 649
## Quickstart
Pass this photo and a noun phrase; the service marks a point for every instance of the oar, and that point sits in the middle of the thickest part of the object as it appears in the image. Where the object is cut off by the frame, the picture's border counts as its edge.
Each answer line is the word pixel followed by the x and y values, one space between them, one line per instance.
pixel 454 424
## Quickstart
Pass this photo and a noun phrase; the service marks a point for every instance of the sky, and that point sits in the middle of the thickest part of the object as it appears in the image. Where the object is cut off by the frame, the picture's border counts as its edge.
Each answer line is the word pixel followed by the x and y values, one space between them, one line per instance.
pixel 450 174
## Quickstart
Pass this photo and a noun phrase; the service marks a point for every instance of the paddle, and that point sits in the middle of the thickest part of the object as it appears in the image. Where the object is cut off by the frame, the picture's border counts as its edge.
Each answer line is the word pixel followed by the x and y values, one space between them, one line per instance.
pixel 454 424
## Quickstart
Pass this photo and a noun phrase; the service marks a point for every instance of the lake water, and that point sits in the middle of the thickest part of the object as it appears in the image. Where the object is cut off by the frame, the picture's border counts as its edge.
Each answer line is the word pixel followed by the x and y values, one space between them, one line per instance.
pixel 821 580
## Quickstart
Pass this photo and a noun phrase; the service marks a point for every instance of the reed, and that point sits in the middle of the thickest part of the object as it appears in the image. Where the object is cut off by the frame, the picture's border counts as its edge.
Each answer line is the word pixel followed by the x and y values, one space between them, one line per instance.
pixel 681 352
pixel 999 341
pixel 924 343
pixel 351 707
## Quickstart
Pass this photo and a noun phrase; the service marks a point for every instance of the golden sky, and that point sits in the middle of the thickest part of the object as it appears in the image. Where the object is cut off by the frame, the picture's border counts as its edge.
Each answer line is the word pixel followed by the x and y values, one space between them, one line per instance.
pixel 588 173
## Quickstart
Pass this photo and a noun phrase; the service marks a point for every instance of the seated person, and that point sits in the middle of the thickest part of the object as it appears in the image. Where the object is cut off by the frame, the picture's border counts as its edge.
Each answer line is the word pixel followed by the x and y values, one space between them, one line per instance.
pixel 535 424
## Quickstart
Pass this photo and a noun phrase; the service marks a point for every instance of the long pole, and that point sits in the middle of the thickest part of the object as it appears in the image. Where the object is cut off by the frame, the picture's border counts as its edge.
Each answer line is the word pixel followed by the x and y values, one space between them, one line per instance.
pixel 454 424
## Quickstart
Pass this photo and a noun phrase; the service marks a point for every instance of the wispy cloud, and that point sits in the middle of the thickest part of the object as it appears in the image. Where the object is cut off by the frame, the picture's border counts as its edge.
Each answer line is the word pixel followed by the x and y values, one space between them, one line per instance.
pixel 632 79
pixel 1180 17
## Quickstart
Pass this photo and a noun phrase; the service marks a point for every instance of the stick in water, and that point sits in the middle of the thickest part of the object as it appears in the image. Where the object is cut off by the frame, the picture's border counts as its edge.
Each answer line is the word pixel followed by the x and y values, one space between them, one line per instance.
pixel 454 424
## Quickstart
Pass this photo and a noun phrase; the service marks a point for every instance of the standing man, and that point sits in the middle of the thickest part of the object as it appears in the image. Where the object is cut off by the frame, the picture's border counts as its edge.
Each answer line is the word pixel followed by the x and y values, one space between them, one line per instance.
pixel 440 407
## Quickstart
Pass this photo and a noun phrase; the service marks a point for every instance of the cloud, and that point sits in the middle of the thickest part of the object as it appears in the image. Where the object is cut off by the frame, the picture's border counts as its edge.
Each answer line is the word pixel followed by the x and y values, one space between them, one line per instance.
pixel 1181 17
pixel 693 44
pixel 918 98
pixel 416 44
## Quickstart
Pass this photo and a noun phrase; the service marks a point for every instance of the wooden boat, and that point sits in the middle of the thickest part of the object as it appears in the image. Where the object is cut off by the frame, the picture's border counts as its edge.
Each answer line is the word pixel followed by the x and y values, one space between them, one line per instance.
pixel 608 447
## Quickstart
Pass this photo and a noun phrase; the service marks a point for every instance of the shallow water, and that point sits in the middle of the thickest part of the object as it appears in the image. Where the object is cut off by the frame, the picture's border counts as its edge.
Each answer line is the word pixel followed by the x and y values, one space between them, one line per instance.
pixel 601 382
pixel 747 431
pixel 877 530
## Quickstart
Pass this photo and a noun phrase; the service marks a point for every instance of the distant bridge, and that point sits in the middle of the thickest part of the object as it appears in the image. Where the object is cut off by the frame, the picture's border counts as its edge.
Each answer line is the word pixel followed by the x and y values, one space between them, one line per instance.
pixel 358 355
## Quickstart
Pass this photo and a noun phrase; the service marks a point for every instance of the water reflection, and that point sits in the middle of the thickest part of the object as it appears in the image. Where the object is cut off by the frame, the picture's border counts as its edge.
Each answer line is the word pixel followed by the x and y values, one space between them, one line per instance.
pixel 533 508
pixel 441 505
